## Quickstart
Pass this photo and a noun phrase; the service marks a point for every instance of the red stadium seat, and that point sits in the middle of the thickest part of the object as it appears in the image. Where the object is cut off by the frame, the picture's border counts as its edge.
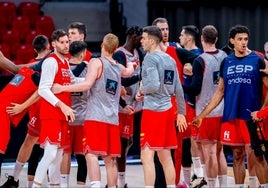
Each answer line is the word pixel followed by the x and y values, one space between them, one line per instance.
pixel 46 25
pixel 21 24
pixel 30 36
pixel 12 39
pixel 24 54
pixel 31 10
pixel 3 29
pixel 4 48
pixel 8 10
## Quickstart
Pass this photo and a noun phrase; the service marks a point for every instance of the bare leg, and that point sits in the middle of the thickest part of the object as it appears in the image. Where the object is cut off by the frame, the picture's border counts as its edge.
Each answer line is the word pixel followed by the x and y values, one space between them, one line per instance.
pixel 168 166
pixel 239 168
pixel 147 159
pixel 111 170
pixel 93 167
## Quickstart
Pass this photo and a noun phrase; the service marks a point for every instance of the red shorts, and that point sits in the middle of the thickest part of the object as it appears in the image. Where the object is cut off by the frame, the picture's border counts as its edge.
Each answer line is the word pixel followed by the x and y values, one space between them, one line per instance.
pixel 34 124
pixel 190 114
pixel 210 129
pixel 158 130
pixel 126 122
pixel 101 138
pixel 55 132
pixel 234 133
pixel 76 139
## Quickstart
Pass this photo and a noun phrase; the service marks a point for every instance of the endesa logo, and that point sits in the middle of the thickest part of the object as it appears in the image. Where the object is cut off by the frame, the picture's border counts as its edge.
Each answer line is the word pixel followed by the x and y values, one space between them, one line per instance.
pixel 239 70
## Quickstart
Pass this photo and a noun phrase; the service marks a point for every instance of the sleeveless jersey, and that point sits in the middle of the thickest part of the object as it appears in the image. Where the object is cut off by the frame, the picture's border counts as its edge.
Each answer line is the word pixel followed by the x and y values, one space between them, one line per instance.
pixel 133 89
pixel 104 95
pixel 243 86
pixel 79 102
pixel 62 77
pixel 210 81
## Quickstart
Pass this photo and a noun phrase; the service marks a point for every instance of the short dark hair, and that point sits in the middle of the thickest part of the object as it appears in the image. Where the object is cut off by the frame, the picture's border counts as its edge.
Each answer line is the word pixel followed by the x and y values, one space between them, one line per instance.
pixel 40 43
pixel 153 31
pixel 58 34
pixel 82 29
pixel 76 47
pixel 191 30
pixel 238 29
pixel 134 30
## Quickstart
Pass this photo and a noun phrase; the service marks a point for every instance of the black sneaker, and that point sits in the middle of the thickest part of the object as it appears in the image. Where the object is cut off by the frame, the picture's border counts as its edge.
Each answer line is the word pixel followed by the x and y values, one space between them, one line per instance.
pixel 10 183
pixel 125 186
pixel 198 182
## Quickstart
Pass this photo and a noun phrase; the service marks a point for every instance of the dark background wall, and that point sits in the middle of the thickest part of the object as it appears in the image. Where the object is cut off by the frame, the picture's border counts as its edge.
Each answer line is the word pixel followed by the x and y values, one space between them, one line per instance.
pixel 221 13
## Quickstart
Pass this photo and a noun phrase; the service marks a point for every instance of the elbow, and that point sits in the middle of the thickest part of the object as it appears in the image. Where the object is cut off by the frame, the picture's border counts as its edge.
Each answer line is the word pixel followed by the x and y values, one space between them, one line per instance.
pixel 40 92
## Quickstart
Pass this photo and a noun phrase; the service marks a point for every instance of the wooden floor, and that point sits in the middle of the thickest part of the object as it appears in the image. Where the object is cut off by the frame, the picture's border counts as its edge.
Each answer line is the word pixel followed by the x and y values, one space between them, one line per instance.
pixel 134 176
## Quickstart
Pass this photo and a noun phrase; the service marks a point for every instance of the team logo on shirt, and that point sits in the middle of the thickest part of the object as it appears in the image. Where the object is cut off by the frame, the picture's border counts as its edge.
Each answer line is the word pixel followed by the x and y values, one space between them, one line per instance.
pixel 239 74
pixel 65 73
pixel 17 80
pixel 216 77
pixel 111 86
pixel 169 77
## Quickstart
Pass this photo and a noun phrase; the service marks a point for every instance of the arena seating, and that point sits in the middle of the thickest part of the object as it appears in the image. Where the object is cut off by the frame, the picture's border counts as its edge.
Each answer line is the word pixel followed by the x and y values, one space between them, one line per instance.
pixel 20 23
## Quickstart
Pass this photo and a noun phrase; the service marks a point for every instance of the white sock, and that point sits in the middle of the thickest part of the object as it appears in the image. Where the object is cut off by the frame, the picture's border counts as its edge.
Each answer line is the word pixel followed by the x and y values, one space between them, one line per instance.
pixel 197 167
pixel 222 180
pixel 171 186
pixel 253 181
pixel 187 174
pixel 149 186
pixel 211 182
pixel 95 184
pixel 29 184
pixel 121 179
pixel 204 170
pixel 17 170
pixel 112 187
pixel 64 180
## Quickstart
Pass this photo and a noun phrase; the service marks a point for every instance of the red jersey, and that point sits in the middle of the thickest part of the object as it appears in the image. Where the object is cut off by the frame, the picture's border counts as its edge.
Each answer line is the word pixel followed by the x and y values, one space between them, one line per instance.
pixel 62 77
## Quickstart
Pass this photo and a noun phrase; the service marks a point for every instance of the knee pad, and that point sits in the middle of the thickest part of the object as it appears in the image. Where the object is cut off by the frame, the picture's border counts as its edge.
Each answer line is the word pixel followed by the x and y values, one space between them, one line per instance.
pixel 82 168
pixel 186 153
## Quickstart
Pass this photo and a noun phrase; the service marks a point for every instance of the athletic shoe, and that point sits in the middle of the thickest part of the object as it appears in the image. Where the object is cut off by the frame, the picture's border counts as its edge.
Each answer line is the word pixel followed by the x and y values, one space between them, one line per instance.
pixel 198 182
pixel 10 183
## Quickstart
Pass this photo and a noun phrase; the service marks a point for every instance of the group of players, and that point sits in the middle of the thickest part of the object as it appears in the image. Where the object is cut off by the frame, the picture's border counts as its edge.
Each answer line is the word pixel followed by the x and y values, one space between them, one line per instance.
pixel 205 78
